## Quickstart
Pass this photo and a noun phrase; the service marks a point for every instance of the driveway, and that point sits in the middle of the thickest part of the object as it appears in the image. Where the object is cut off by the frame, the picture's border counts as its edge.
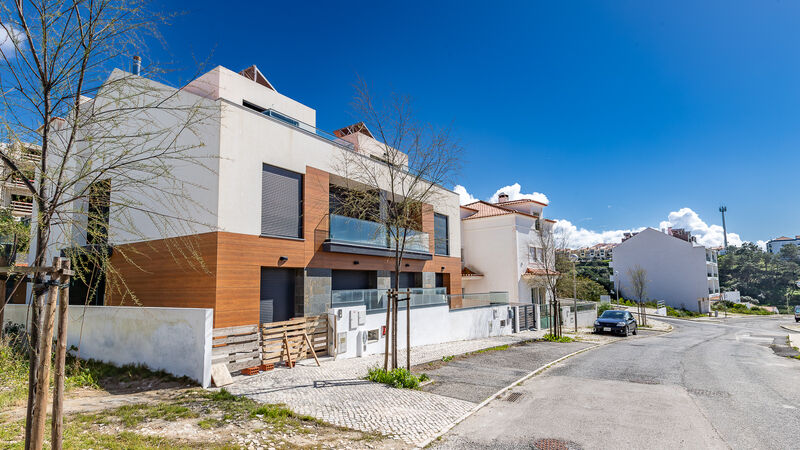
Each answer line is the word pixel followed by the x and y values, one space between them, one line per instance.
pixel 705 385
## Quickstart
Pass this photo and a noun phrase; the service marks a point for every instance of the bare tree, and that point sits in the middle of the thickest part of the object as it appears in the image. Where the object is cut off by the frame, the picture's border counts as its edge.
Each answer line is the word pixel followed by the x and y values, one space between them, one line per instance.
pixel 392 179
pixel 109 148
pixel 550 242
pixel 638 279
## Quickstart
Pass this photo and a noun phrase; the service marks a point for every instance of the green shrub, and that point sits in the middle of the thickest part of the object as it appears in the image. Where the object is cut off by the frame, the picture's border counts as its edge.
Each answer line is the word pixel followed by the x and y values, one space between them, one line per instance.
pixel 603 308
pixel 550 338
pixel 399 378
pixel 682 312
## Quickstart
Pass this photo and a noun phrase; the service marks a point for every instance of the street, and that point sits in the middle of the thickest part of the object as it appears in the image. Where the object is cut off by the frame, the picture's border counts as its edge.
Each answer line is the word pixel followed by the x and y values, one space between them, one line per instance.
pixel 714 384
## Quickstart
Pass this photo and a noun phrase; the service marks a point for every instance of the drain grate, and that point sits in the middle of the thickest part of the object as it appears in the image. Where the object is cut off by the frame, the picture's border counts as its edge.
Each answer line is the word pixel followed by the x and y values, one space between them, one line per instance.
pixel 513 397
pixel 555 444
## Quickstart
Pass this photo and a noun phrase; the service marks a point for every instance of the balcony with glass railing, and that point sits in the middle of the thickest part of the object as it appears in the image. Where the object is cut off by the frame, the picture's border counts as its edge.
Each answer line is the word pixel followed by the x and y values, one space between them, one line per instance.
pixel 307 128
pixel 375 299
pixel 359 232
pixel 476 300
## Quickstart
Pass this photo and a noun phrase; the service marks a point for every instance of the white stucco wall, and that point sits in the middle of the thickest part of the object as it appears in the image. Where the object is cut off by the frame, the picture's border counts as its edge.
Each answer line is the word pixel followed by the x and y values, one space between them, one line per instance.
pixel 676 270
pixel 176 340
pixel 429 325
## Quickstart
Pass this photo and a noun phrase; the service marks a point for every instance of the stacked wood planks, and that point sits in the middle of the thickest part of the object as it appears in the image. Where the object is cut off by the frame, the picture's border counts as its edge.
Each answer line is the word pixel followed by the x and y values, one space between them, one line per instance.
pixel 273 348
pixel 237 347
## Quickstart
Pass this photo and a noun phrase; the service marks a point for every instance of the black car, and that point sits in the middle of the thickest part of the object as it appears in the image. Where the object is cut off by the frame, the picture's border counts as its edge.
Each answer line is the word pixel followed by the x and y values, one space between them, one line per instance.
pixel 615 321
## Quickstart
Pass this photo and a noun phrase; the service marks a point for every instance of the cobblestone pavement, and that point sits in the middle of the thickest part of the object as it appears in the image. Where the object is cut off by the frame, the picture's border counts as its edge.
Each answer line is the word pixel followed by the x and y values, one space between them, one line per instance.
pixel 337 393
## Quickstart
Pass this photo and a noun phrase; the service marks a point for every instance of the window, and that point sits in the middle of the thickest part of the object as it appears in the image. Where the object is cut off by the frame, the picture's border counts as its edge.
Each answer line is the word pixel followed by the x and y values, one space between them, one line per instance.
pixel 441 234
pixel 99 204
pixel 281 202
pixel 534 254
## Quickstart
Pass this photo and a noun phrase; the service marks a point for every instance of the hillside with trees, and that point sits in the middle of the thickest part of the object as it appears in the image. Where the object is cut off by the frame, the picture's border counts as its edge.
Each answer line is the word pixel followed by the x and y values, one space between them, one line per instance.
pixel 761 276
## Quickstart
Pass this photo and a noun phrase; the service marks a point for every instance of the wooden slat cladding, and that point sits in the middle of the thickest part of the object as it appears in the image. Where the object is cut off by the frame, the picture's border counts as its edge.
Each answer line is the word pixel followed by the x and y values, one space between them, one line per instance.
pixel 237 347
pixel 177 272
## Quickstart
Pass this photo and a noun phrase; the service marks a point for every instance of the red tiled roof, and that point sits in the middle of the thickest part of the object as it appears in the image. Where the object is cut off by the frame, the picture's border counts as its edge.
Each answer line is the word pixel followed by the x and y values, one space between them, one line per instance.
pixel 784 238
pixel 467 207
pixel 486 209
pixel 524 200
pixel 537 271
pixel 467 272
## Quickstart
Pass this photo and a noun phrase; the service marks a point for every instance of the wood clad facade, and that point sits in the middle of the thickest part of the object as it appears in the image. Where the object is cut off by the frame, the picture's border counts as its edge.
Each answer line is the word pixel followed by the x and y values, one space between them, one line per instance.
pixel 158 273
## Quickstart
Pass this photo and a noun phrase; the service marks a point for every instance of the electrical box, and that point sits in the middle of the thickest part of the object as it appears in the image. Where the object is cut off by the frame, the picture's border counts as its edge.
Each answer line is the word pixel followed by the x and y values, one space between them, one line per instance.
pixel 362 318
pixel 342 342
pixel 353 319
pixel 361 343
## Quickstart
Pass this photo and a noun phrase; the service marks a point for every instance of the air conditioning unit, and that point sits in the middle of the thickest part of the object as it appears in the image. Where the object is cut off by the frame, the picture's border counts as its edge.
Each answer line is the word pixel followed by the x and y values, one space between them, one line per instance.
pixel 361 343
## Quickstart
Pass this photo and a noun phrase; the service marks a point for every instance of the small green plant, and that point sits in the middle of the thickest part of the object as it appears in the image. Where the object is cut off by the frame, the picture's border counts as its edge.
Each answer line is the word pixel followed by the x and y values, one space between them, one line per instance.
pixel 682 312
pixel 493 349
pixel 447 358
pixel 399 378
pixel 550 338
pixel 423 377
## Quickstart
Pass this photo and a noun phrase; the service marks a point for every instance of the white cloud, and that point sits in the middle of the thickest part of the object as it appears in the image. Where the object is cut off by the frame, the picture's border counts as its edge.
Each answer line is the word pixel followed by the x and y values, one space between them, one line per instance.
pixel 514 192
pixel 708 235
pixel 762 244
pixel 6 43
pixel 464 196
pixel 581 237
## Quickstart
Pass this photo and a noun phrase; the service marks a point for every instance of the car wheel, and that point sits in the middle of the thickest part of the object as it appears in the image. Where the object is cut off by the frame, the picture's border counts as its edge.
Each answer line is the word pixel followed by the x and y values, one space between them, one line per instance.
pixel 635 330
pixel 627 331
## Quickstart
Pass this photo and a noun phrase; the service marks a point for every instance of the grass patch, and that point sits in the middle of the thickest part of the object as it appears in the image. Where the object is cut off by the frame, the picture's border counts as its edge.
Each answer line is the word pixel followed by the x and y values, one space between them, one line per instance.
pixel 551 338
pixel 132 415
pixel 672 312
pixel 447 358
pixel 399 378
pixel 493 349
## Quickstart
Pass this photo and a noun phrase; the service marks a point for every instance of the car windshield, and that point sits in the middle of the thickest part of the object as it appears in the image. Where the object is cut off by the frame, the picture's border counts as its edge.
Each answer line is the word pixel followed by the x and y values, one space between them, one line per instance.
pixel 613 315
pixel 797 309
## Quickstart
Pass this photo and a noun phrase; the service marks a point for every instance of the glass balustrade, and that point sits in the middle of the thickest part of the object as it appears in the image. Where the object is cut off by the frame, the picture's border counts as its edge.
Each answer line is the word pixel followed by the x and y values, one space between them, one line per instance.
pixel 364 232
pixel 375 299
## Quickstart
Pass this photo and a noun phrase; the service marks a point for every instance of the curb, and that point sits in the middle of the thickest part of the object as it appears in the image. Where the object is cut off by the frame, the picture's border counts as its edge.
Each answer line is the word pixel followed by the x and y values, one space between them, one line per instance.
pixel 479 406
pixel 786 327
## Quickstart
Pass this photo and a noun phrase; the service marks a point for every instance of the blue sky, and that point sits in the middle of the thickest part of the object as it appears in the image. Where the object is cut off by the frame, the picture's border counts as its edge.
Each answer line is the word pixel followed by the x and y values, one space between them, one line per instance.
pixel 620 112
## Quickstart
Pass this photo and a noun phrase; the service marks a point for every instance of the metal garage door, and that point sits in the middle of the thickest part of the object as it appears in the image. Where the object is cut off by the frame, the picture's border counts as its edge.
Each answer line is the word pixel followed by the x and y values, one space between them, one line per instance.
pixel 277 294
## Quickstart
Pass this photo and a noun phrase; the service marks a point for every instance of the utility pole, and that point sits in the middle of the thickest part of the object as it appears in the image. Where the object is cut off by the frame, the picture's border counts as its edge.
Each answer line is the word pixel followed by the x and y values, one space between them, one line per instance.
pixel 573 257
pixel 723 209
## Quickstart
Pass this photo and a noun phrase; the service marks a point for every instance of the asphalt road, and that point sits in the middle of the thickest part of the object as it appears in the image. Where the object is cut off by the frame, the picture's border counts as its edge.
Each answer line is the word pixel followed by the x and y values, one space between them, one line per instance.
pixel 704 385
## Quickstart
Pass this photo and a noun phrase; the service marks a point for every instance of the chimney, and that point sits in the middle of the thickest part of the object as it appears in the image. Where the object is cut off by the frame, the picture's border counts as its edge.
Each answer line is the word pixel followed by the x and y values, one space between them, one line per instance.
pixel 137 65
pixel 502 198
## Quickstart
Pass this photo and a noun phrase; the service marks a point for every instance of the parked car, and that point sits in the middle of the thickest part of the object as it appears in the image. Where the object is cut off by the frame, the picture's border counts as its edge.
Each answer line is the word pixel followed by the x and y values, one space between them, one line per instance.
pixel 616 321
pixel 797 313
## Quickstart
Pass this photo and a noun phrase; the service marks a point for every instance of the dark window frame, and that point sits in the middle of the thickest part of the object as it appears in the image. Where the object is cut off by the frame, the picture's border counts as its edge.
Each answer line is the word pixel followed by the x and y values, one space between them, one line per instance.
pixel 437 240
pixel 300 200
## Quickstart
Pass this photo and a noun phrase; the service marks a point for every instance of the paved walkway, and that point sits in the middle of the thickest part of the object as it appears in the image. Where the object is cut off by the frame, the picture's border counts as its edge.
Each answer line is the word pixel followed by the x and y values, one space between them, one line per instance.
pixel 337 393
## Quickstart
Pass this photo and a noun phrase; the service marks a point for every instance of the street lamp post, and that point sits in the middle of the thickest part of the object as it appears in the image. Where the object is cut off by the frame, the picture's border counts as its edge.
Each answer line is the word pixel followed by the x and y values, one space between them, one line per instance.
pixel 573 257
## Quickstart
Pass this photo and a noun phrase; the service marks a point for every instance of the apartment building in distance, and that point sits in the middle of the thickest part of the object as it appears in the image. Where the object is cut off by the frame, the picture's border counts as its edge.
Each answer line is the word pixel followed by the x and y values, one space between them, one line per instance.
pixel 679 271
pixel 501 249
pixel 14 195
pixel 271 241
pixel 774 245
pixel 597 251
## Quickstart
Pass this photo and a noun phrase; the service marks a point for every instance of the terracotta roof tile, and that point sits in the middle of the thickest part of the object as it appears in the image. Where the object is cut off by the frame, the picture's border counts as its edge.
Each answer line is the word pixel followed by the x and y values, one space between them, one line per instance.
pixel 486 209
pixel 467 272
pixel 538 271
pixel 524 200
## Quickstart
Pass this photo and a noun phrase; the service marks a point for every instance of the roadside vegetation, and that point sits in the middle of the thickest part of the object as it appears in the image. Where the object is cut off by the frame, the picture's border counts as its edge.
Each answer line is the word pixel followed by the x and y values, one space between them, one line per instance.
pixel 763 277
pixel 195 418
pixel 399 378
pixel 551 338
pixel 672 312
pixel 739 308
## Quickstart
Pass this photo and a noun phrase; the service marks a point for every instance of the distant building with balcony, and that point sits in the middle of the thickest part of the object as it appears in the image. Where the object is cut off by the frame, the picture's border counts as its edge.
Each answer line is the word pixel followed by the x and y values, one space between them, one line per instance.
pixel 774 246
pixel 595 252
pixel 502 251
pixel 679 271
pixel 14 195
pixel 274 244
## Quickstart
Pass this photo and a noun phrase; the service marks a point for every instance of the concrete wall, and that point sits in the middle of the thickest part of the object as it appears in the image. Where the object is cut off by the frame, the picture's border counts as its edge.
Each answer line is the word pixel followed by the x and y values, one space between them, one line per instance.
pixel 176 340
pixel 429 325
pixel 676 270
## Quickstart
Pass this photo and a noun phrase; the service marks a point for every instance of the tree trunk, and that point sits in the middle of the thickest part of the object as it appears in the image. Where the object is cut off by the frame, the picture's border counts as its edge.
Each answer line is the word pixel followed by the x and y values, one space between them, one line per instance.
pixel 35 328
pixel 4 302
pixel 408 331
pixel 394 327
pixel 45 350
pixel 388 329
pixel 57 430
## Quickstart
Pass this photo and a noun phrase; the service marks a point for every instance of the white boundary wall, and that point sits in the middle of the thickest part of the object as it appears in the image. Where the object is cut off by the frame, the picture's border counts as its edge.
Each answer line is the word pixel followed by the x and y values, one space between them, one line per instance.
pixel 176 340
pixel 429 325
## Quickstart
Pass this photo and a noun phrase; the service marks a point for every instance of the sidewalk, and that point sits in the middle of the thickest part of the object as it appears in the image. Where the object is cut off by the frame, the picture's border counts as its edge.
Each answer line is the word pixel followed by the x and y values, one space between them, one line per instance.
pixel 337 393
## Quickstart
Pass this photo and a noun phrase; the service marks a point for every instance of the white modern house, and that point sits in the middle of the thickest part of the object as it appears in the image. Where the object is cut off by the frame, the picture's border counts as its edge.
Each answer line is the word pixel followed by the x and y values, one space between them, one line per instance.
pixel 502 251
pixel 774 245
pixel 679 271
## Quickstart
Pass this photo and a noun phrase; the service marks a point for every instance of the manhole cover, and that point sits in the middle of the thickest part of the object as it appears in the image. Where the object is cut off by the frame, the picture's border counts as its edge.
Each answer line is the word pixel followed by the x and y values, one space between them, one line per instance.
pixel 555 444
pixel 513 397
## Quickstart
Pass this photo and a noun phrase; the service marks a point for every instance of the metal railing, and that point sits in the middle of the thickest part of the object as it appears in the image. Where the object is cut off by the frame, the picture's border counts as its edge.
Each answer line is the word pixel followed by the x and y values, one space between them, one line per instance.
pixel 308 128
pixel 373 234
pixel 375 299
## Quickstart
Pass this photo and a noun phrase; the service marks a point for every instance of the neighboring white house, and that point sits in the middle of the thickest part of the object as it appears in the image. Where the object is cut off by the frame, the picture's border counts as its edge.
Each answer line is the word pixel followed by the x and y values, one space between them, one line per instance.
pixel 679 271
pixel 502 250
pixel 774 246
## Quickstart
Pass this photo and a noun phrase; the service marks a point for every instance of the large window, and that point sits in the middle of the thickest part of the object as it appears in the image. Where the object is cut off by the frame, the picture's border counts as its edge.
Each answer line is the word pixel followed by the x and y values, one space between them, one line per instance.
pixel 534 254
pixel 281 202
pixel 98 212
pixel 441 234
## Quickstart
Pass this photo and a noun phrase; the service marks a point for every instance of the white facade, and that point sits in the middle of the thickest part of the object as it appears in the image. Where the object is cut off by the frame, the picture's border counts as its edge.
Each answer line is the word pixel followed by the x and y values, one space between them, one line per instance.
pixel 774 246
pixel 678 272
pixel 504 247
